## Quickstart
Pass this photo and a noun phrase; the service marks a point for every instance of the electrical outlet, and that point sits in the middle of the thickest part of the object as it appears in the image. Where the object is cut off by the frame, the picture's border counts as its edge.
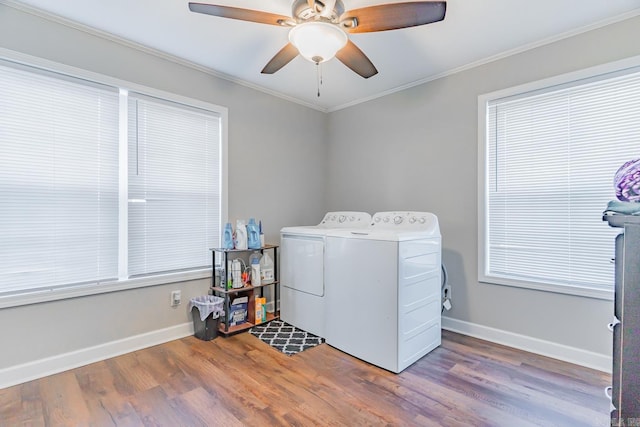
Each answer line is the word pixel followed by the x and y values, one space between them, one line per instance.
pixel 176 298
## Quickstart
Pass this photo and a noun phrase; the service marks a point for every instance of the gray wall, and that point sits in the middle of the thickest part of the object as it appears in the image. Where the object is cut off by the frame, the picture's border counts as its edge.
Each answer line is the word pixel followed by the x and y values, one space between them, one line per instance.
pixel 277 163
pixel 417 150
pixel 414 150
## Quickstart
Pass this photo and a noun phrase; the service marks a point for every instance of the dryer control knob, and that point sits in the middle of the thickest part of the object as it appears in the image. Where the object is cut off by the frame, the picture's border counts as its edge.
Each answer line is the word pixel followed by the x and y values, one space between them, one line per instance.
pixel 412 220
pixel 422 220
pixel 377 219
pixel 342 218
pixel 386 219
pixel 397 220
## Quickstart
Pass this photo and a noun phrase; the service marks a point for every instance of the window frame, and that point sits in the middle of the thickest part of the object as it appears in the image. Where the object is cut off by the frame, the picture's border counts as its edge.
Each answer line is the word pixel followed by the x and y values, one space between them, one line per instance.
pixel 483 170
pixel 72 291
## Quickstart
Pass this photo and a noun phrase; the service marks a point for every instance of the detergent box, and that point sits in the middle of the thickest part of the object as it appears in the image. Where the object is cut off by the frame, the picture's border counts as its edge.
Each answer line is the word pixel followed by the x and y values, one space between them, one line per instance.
pixel 238 311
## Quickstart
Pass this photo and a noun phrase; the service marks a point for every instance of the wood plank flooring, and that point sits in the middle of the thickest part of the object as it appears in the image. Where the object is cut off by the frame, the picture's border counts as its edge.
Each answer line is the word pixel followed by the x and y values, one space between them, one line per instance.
pixel 239 381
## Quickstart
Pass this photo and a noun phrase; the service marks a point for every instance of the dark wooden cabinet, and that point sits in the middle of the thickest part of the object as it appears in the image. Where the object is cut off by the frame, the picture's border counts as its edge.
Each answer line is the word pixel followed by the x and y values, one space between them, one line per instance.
pixel 625 388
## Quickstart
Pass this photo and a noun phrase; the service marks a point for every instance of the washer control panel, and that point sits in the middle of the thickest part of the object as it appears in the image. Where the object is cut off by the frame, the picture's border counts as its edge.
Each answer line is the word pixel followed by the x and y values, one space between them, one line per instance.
pixel 403 220
pixel 345 220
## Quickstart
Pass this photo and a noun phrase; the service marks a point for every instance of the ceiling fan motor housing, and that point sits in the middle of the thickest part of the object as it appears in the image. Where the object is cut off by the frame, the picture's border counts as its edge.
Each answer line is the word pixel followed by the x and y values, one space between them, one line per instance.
pixel 301 10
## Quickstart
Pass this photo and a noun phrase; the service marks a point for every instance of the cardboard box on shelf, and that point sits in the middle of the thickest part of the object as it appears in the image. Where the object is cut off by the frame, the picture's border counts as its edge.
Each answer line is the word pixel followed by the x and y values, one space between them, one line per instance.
pixel 261 310
pixel 238 311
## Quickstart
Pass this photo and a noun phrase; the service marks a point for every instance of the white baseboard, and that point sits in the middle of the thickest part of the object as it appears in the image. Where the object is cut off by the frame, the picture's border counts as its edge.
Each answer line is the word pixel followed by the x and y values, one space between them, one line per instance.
pixel 19 374
pixel 554 350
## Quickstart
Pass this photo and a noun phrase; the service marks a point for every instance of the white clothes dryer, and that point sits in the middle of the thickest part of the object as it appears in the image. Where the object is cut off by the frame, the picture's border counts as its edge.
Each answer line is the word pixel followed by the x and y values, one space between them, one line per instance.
pixel 302 269
pixel 384 289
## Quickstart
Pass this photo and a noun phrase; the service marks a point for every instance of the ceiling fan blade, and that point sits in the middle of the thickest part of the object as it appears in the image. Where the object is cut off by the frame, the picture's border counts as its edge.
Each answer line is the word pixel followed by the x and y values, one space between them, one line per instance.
pixel 238 13
pixel 354 58
pixel 281 59
pixel 394 16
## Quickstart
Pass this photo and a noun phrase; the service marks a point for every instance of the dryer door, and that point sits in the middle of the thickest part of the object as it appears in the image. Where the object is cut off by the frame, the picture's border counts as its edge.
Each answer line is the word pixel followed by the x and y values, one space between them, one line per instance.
pixel 302 263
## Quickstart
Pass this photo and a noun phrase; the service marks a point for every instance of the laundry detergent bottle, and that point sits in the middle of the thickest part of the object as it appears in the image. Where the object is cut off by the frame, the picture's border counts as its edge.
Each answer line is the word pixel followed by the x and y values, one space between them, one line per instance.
pixel 227 237
pixel 253 234
pixel 241 235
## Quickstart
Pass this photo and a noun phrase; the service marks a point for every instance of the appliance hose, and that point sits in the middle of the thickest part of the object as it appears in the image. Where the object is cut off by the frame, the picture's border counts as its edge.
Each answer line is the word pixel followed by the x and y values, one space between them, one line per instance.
pixel 445 280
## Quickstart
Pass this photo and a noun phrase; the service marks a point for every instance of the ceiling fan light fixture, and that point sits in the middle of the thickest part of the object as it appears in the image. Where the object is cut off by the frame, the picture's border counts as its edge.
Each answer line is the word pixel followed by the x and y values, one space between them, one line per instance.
pixel 318 41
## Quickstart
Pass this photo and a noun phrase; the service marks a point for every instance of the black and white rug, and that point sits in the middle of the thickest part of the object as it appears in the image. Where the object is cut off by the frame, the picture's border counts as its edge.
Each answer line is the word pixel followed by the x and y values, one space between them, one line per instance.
pixel 284 337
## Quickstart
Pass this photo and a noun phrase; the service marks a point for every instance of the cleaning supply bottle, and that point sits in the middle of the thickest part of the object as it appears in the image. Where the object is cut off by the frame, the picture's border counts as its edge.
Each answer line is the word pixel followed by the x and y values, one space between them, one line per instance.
pixel 255 256
pixel 255 269
pixel 241 235
pixel 236 273
pixel 261 234
pixel 253 235
pixel 227 237
pixel 229 274
pixel 266 269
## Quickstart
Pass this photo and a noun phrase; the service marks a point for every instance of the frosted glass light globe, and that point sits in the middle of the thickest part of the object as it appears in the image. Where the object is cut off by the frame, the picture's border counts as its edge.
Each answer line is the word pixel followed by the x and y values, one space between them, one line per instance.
pixel 318 41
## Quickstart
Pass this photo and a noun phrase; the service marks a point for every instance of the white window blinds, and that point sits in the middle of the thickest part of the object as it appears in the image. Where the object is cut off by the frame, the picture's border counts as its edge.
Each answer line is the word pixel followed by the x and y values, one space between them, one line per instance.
pixel 174 186
pixel 551 158
pixel 99 184
pixel 58 181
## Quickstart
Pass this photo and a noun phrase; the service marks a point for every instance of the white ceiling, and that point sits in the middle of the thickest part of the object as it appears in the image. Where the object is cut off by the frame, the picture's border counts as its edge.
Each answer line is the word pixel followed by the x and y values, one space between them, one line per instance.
pixel 472 32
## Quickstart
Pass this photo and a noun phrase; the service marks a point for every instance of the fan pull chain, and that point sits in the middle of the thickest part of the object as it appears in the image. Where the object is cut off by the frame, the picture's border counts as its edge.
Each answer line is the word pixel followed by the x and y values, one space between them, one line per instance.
pixel 319 75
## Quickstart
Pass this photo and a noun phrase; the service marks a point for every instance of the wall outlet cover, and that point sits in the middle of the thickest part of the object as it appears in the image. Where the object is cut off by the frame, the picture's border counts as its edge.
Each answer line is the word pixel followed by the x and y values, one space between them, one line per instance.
pixel 176 298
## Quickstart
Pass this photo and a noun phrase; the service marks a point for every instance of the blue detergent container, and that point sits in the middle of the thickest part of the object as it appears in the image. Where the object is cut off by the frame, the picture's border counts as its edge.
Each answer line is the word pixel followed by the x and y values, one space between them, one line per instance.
pixel 253 234
pixel 227 237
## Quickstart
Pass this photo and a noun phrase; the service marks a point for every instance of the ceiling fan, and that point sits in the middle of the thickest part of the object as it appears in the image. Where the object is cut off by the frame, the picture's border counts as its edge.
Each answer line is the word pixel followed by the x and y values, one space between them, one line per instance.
pixel 319 28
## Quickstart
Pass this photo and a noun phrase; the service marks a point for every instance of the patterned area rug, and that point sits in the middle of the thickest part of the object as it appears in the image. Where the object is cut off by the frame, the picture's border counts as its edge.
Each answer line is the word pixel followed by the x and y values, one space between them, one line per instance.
pixel 284 337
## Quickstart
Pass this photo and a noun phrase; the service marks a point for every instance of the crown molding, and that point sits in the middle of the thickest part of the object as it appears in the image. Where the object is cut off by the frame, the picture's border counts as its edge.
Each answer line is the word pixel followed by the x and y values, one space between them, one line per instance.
pixel 151 51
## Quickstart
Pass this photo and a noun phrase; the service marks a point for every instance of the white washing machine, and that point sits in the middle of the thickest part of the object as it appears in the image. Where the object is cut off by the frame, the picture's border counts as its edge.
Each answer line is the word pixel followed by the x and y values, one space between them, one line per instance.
pixel 302 269
pixel 383 293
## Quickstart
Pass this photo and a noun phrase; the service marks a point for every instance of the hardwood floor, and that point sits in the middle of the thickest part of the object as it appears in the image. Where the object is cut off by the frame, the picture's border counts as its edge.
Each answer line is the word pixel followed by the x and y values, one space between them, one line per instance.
pixel 239 381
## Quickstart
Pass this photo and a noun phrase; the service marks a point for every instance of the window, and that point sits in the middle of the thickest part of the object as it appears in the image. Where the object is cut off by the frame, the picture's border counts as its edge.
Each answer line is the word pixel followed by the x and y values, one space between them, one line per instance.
pixel 99 184
pixel 548 157
pixel 58 181
pixel 174 190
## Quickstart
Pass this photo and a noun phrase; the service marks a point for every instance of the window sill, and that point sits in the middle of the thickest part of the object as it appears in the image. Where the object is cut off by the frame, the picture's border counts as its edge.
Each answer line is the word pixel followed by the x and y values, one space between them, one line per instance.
pixel 55 294
pixel 580 291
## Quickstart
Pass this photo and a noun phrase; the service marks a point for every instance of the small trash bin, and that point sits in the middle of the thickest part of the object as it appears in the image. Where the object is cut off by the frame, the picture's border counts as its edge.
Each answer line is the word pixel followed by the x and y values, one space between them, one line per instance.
pixel 206 311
